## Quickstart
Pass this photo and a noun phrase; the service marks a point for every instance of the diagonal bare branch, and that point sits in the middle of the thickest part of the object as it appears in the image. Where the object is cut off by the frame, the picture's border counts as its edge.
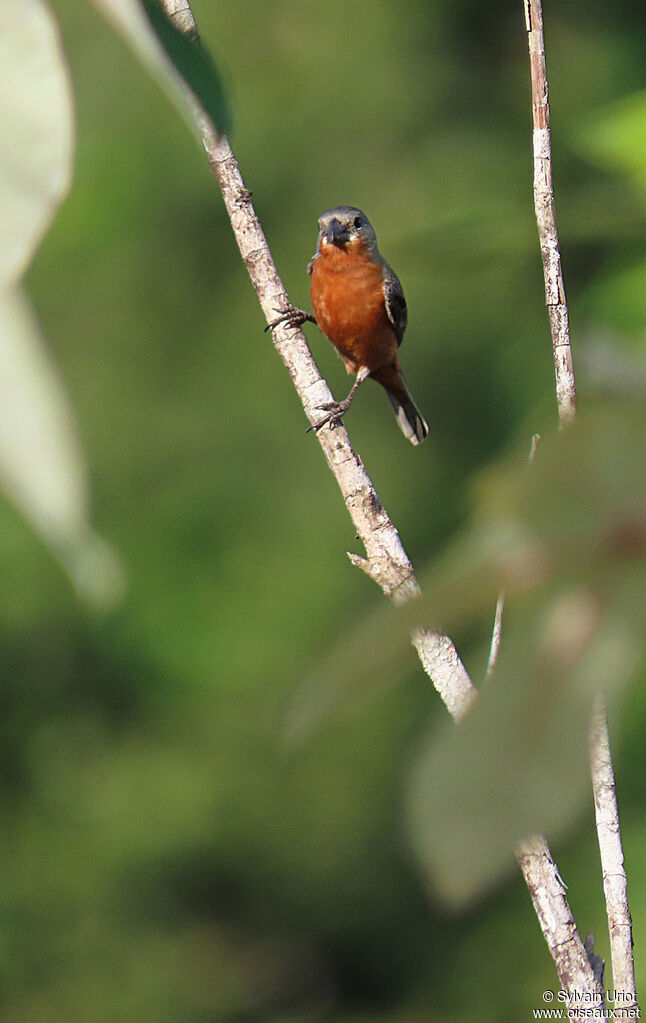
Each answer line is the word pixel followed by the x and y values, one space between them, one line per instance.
pixel 385 561
pixel 573 967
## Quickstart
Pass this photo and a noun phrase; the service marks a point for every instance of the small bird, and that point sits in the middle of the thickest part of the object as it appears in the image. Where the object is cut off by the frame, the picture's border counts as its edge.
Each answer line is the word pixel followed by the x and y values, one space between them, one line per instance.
pixel 359 305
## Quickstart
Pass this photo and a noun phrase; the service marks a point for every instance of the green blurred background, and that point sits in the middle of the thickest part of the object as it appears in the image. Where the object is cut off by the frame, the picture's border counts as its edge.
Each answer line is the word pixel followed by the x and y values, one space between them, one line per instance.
pixel 165 858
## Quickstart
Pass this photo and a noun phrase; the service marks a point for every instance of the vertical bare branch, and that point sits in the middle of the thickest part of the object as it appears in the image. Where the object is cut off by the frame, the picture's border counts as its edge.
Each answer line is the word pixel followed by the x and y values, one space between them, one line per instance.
pixel 612 861
pixel 608 830
pixel 546 217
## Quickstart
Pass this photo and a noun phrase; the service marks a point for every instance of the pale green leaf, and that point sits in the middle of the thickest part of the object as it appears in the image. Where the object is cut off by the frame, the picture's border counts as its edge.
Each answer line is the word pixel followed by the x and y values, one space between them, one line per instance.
pixel 36 132
pixel 41 466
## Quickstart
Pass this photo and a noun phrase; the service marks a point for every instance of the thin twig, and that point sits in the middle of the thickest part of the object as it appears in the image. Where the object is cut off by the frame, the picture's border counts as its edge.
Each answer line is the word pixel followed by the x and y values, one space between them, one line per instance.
pixel 496 636
pixel 496 632
pixel 608 829
pixel 612 862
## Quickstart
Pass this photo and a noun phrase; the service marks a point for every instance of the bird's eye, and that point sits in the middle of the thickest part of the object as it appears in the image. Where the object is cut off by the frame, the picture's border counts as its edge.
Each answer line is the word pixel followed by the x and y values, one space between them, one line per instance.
pixel 357 223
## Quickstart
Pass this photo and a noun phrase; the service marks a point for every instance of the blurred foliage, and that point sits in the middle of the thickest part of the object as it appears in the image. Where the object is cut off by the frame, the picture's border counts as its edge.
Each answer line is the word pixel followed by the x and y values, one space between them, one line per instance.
pixel 36 116
pixel 166 857
pixel 565 541
pixel 41 466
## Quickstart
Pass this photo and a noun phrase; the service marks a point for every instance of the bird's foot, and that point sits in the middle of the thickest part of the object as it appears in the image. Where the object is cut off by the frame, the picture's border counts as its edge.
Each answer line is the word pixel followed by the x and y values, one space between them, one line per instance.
pixel 335 412
pixel 292 316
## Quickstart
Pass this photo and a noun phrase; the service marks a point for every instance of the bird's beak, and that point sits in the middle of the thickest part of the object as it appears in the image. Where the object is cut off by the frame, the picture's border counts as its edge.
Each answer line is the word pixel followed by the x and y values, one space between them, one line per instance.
pixel 336 233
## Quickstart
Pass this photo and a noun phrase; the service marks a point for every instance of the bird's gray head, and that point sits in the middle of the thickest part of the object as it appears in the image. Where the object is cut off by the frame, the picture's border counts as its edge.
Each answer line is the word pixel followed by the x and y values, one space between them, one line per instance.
pixel 346 227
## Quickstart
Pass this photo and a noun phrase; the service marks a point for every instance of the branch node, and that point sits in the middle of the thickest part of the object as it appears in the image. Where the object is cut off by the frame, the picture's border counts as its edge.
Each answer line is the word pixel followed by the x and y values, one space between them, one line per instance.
pixel 362 563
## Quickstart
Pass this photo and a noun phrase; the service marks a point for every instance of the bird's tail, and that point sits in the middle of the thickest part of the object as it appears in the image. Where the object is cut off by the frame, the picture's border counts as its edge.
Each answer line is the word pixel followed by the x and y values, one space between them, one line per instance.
pixel 410 419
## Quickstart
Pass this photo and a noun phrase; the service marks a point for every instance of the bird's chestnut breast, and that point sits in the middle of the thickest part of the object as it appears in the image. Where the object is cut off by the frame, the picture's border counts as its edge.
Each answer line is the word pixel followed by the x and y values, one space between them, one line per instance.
pixel 347 292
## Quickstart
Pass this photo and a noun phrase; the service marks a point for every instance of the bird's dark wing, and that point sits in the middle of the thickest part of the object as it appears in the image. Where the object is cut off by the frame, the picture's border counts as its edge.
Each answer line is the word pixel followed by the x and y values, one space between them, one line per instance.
pixel 310 265
pixel 395 302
